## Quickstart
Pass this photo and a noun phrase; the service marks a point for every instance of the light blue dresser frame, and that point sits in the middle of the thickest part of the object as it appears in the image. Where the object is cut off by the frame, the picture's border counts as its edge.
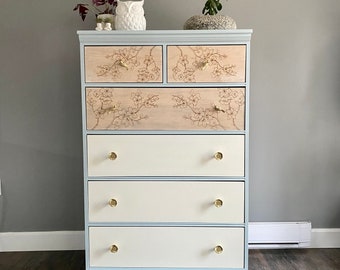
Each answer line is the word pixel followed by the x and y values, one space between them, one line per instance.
pixel 164 38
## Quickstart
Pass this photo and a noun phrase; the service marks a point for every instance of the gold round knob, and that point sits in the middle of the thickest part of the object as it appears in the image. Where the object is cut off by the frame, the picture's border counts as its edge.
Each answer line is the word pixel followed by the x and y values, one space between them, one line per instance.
pixel 113 202
pixel 218 156
pixel 204 64
pixel 123 64
pixel 218 249
pixel 218 203
pixel 112 156
pixel 113 249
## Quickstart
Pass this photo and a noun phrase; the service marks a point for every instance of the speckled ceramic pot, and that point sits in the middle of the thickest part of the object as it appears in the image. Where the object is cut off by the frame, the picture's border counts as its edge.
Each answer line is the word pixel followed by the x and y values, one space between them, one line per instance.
pixel 208 22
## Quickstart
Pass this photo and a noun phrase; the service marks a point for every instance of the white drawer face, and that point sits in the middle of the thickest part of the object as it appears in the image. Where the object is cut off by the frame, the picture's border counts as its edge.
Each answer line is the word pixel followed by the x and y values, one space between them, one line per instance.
pixel 206 202
pixel 181 247
pixel 165 155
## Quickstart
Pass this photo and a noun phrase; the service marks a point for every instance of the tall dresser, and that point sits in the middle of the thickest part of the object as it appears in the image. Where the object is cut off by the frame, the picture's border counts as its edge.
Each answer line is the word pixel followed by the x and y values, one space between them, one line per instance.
pixel 165 136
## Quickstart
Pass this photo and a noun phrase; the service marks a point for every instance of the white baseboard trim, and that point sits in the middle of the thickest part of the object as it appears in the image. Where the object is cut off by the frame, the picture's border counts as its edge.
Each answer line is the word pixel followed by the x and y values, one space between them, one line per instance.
pixel 74 240
pixel 40 241
pixel 325 238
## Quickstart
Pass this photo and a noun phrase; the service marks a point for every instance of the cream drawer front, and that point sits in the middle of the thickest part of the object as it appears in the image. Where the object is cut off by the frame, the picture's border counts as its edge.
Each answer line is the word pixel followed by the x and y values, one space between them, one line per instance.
pixel 207 63
pixel 206 202
pixel 180 247
pixel 165 155
pixel 123 64
pixel 165 109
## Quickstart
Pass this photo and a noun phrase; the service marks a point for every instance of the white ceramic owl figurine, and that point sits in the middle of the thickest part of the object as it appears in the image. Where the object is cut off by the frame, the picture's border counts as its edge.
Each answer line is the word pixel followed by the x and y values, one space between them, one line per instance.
pixel 130 15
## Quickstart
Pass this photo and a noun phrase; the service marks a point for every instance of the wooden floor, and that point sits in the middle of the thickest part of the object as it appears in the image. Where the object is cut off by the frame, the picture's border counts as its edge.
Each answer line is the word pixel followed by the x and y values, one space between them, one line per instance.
pixel 294 259
pixel 42 260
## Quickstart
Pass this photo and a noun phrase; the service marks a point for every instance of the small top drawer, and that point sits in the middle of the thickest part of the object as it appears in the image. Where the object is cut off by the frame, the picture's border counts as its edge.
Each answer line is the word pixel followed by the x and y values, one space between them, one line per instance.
pixel 123 64
pixel 207 63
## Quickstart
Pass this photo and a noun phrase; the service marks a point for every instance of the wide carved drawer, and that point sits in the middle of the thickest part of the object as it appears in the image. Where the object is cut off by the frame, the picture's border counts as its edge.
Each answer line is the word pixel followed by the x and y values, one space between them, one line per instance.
pixel 123 64
pixel 180 247
pixel 165 109
pixel 205 202
pixel 165 155
pixel 207 63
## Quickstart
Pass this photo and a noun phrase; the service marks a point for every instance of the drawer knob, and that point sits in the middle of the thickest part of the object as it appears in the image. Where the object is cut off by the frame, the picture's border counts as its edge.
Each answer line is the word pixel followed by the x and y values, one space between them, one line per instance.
pixel 219 109
pixel 112 156
pixel 218 249
pixel 113 202
pixel 218 203
pixel 123 64
pixel 218 156
pixel 204 64
pixel 113 249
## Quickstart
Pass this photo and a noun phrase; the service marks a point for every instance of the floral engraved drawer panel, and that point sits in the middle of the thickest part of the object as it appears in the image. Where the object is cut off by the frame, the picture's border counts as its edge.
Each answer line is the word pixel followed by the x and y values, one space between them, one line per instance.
pixel 206 63
pixel 123 64
pixel 165 109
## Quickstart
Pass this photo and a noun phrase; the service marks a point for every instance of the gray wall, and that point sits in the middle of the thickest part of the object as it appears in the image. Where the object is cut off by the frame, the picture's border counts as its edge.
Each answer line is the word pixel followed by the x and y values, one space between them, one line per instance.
pixel 295 109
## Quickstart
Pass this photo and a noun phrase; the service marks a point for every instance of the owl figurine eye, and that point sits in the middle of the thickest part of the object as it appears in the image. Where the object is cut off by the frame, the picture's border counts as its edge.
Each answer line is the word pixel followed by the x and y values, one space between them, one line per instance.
pixel 121 7
pixel 137 8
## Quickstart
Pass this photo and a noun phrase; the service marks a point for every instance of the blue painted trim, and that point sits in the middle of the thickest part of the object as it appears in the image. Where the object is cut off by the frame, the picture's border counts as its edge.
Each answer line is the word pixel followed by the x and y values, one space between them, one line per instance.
pixel 84 139
pixel 164 132
pixel 167 178
pixel 238 36
pixel 166 224
pixel 163 268
pixel 165 85
pixel 247 157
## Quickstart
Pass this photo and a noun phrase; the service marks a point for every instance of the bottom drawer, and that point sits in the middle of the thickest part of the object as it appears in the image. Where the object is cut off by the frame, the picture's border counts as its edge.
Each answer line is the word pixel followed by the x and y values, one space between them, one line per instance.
pixel 180 247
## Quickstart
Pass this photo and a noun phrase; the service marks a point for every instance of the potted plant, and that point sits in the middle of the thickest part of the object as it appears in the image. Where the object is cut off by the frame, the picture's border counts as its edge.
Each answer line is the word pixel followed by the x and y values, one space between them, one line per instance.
pixel 212 7
pixel 104 10
pixel 210 19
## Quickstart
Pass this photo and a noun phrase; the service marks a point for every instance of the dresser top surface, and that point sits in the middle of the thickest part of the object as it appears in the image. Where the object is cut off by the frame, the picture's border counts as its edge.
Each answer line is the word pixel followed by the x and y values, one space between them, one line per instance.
pixel 152 36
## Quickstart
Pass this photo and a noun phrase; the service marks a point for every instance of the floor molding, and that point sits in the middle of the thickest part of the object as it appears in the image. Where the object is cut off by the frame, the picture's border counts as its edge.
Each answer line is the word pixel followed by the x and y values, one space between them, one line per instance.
pixel 39 241
pixel 74 240
pixel 325 238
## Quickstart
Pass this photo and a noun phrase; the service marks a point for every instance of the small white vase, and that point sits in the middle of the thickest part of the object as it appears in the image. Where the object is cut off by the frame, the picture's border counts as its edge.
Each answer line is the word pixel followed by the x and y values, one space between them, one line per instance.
pixel 103 20
pixel 130 15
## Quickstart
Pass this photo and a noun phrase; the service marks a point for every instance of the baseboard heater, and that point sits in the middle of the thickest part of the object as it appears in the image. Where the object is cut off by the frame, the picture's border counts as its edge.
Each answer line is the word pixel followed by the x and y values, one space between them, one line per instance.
pixel 279 234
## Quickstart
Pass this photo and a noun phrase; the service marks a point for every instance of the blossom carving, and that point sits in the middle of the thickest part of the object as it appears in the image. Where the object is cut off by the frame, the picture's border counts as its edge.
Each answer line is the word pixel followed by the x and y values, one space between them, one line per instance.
pixel 106 108
pixel 130 59
pixel 227 109
pixel 200 58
